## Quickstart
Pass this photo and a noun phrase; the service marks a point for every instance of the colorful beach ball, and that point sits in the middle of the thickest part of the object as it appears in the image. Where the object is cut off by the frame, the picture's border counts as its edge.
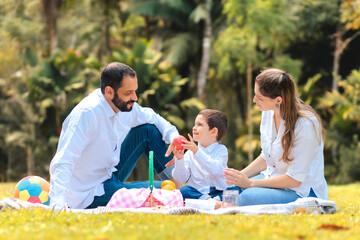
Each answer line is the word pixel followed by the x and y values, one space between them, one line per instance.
pixel 33 189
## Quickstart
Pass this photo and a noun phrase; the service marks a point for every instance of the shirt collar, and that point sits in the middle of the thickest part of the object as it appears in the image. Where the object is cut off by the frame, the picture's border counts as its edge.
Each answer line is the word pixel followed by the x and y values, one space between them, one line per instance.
pixel 209 148
pixel 109 111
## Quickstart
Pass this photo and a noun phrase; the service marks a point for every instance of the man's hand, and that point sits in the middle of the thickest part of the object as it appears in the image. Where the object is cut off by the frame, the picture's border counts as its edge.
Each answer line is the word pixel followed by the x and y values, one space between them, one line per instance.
pixel 170 163
pixel 169 150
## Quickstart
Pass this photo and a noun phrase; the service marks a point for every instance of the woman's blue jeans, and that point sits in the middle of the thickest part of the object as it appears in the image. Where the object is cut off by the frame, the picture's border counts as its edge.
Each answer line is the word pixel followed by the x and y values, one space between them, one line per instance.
pixel 257 196
pixel 140 140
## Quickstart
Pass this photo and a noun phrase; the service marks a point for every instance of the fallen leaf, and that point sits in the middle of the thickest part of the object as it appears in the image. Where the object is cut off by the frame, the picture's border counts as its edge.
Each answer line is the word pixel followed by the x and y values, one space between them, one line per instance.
pixel 332 227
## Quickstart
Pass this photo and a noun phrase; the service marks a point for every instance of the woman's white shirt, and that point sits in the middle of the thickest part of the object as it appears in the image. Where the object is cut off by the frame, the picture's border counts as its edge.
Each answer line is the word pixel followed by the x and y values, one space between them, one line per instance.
pixel 307 165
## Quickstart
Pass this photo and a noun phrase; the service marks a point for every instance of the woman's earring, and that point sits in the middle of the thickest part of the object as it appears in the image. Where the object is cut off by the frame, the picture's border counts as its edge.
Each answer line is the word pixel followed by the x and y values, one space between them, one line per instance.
pixel 277 105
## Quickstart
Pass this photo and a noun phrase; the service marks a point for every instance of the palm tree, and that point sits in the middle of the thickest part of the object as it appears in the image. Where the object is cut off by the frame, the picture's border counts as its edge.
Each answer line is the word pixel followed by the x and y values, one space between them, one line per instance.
pixel 206 47
pixel 343 130
pixel 183 31
pixel 348 25
pixel 50 10
pixel 20 123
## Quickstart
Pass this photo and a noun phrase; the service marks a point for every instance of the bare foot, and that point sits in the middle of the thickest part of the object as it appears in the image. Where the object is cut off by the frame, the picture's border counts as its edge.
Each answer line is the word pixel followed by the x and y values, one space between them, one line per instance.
pixel 220 204
pixel 217 203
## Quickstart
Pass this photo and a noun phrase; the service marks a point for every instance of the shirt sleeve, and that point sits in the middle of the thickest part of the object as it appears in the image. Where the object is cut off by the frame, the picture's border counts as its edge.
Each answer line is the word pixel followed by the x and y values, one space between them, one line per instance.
pixel 213 164
pixel 75 136
pixel 144 115
pixel 181 171
pixel 306 145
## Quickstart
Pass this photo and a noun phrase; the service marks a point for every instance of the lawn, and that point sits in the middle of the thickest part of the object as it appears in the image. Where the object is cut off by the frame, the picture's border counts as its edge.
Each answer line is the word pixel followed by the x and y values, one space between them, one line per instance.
pixel 40 224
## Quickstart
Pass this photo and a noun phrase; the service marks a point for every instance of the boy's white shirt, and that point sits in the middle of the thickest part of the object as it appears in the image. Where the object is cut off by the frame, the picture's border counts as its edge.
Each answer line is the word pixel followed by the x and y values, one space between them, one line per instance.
pixel 204 169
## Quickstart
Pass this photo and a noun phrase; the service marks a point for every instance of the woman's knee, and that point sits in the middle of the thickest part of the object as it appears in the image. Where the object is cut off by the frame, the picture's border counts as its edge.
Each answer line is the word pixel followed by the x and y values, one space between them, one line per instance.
pixel 249 197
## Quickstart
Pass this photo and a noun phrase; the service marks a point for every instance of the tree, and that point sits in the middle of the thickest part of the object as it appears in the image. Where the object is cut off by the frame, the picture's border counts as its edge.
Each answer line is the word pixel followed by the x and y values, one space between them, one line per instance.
pixel 50 10
pixel 346 31
pixel 206 46
pixel 183 31
pixel 257 35
pixel 343 129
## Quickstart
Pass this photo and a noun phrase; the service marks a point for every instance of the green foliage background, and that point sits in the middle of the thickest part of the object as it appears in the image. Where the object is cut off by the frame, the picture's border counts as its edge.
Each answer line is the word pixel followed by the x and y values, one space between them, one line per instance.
pixel 52 52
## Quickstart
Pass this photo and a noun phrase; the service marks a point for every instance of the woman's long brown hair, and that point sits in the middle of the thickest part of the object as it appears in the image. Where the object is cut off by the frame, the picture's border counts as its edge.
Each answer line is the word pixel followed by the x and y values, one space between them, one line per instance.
pixel 274 82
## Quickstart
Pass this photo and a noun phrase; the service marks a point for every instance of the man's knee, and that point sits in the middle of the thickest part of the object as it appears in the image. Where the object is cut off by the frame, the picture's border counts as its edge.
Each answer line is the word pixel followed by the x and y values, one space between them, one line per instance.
pixel 151 130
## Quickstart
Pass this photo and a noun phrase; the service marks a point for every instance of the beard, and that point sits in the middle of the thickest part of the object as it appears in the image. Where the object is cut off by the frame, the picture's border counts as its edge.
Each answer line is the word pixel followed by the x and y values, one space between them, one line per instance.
pixel 121 105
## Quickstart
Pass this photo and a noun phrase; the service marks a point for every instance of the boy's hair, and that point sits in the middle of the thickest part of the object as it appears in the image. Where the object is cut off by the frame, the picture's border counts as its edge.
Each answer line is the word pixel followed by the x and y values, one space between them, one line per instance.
pixel 215 118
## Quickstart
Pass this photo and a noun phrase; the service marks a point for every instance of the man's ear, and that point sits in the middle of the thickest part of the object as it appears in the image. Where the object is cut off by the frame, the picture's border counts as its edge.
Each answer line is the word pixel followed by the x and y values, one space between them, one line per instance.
pixel 109 92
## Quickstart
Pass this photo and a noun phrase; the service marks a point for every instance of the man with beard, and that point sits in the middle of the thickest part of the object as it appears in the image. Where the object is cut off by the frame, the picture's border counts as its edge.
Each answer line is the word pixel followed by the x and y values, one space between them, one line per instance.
pixel 101 141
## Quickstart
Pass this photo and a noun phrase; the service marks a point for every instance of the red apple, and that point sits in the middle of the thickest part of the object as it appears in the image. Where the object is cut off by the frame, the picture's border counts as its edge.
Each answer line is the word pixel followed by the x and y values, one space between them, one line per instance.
pixel 178 141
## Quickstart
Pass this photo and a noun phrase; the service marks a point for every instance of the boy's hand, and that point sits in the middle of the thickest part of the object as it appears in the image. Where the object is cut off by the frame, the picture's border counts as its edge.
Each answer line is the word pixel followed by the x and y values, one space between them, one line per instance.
pixel 179 154
pixel 191 145
pixel 176 143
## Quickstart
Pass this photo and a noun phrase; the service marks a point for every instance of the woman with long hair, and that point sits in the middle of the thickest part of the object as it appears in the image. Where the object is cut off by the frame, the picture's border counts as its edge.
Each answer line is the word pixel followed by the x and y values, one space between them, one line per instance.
pixel 291 163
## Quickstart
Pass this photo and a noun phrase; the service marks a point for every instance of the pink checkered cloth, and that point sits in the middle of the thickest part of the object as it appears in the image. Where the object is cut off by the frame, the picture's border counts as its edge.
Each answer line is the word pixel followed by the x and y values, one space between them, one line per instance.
pixel 136 198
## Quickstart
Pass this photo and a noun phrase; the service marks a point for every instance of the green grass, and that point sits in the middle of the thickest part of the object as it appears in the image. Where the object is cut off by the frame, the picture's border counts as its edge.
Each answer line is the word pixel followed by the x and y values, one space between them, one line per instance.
pixel 40 224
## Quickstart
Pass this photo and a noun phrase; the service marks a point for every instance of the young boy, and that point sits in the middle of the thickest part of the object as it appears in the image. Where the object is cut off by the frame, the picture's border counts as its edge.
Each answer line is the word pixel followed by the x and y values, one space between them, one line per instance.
pixel 202 166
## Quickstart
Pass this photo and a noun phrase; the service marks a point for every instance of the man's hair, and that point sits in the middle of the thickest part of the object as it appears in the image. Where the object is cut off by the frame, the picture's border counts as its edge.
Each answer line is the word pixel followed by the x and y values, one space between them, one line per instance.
pixel 113 73
pixel 215 118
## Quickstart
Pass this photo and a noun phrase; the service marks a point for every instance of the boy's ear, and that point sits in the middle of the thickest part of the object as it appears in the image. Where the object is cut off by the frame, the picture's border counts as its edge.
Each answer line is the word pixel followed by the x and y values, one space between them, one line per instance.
pixel 214 132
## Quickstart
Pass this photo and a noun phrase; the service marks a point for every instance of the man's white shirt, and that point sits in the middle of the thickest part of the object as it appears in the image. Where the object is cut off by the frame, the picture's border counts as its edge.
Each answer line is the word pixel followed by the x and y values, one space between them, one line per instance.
pixel 89 148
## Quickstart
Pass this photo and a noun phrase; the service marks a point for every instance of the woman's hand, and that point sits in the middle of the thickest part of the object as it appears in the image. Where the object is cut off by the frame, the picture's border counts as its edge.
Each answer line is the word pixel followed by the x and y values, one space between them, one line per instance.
pixel 237 178
pixel 191 145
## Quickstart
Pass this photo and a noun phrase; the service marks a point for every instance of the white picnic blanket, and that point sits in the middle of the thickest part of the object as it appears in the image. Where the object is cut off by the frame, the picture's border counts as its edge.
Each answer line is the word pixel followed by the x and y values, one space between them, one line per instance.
pixel 302 205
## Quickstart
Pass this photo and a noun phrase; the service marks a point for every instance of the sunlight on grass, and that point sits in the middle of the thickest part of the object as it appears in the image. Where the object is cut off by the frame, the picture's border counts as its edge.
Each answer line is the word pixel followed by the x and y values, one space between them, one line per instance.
pixel 35 224
pixel 6 190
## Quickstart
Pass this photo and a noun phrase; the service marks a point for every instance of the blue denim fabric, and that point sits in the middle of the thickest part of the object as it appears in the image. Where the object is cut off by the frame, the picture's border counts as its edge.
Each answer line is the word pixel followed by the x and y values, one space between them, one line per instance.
pixel 191 192
pixel 257 196
pixel 140 140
